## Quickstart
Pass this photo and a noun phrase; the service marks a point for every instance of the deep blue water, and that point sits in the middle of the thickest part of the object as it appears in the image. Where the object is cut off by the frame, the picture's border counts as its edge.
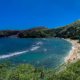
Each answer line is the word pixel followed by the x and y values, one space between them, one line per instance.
pixel 39 52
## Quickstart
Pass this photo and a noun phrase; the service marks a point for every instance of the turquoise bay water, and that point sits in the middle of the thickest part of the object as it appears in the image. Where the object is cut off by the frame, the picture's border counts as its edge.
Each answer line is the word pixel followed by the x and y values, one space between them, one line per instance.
pixel 39 52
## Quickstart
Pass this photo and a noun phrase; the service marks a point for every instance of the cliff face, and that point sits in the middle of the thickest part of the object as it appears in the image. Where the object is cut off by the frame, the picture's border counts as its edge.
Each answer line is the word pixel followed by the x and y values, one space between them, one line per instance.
pixel 68 31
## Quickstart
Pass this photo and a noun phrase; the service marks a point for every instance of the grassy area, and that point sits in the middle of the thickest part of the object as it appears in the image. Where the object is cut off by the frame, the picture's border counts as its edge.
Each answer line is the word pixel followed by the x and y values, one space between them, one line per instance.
pixel 29 72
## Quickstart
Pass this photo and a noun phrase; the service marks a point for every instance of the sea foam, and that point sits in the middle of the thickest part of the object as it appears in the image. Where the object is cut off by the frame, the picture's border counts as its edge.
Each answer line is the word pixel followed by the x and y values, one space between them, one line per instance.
pixel 39 43
pixel 12 54
pixel 35 48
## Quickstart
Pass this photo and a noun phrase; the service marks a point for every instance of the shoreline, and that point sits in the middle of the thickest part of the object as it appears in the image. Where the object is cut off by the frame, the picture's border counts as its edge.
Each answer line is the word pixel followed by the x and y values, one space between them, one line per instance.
pixel 74 53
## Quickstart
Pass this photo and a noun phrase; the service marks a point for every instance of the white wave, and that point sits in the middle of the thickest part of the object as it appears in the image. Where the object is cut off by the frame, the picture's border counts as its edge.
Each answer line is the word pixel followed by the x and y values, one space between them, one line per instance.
pixel 12 54
pixel 39 43
pixel 35 48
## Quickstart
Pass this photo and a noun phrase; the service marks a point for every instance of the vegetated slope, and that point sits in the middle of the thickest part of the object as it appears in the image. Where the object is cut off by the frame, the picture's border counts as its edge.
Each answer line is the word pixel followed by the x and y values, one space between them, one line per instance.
pixel 29 72
pixel 38 32
pixel 69 31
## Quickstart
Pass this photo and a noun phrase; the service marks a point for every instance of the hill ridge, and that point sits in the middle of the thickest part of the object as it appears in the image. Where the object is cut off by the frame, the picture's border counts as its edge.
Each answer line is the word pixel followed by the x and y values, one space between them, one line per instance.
pixel 69 31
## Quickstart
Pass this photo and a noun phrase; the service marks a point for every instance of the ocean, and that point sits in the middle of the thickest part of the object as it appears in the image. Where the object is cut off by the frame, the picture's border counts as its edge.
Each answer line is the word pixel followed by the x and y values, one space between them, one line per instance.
pixel 40 52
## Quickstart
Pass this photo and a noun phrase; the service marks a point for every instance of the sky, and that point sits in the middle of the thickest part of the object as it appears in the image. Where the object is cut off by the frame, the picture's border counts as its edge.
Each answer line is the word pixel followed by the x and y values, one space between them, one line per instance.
pixel 25 14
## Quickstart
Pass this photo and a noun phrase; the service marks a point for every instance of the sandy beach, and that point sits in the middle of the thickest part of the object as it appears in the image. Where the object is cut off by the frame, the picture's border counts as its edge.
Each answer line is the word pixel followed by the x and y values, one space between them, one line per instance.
pixel 74 54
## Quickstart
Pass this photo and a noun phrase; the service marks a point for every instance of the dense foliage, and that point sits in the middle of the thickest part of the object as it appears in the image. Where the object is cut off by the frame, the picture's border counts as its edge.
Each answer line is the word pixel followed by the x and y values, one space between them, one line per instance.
pixel 29 72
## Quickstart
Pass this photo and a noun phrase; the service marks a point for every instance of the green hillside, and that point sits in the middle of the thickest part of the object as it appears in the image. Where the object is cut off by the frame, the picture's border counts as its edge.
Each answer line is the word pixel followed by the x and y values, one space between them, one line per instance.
pixel 69 31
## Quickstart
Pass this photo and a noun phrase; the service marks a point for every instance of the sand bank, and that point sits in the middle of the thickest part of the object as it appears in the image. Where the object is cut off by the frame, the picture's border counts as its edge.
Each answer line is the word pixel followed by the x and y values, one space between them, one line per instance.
pixel 74 54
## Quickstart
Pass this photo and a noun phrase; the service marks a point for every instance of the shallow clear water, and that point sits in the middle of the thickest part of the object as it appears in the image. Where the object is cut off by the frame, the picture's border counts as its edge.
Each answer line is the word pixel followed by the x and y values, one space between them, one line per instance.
pixel 39 52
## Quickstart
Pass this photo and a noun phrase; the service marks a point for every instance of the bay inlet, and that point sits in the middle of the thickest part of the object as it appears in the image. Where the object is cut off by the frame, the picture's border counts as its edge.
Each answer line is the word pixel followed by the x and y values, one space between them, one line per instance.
pixel 40 52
